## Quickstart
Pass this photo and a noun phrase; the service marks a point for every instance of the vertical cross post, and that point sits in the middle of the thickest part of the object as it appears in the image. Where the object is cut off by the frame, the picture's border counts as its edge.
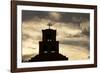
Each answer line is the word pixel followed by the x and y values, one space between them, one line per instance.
pixel 49 24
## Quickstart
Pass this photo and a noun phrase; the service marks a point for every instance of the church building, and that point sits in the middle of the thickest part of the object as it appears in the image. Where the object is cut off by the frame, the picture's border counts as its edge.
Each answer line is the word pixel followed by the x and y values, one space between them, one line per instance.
pixel 48 47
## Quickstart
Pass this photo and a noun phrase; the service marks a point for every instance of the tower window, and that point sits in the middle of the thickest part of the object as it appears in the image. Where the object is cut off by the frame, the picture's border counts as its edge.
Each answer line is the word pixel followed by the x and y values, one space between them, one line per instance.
pixel 52 51
pixel 49 40
pixel 45 52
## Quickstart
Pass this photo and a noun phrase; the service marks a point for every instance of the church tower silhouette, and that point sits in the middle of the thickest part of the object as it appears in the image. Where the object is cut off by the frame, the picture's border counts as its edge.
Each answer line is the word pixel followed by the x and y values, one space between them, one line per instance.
pixel 48 47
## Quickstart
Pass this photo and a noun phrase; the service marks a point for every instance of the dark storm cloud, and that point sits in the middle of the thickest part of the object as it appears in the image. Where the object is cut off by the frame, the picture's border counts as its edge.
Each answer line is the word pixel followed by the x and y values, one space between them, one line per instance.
pixel 28 15
pixel 75 43
pixel 68 17
pixel 26 36
pixel 65 17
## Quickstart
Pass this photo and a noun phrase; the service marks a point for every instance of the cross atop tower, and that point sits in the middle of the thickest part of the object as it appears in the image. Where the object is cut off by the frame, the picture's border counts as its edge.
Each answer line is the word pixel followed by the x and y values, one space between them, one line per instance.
pixel 49 24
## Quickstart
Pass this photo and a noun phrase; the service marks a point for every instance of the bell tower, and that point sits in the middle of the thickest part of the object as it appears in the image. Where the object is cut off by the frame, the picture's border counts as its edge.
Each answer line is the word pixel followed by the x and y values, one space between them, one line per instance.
pixel 48 44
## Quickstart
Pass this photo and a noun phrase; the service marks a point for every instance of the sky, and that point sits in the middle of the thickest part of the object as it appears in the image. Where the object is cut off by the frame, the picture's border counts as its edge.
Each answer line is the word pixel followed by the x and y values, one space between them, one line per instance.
pixel 72 33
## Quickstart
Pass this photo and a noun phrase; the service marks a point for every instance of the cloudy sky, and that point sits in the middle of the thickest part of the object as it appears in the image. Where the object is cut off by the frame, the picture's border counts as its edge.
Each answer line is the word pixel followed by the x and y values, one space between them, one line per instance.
pixel 72 32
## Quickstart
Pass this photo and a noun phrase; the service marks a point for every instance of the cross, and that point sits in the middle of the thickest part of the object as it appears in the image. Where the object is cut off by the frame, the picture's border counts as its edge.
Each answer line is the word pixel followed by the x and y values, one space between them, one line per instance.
pixel 49 24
